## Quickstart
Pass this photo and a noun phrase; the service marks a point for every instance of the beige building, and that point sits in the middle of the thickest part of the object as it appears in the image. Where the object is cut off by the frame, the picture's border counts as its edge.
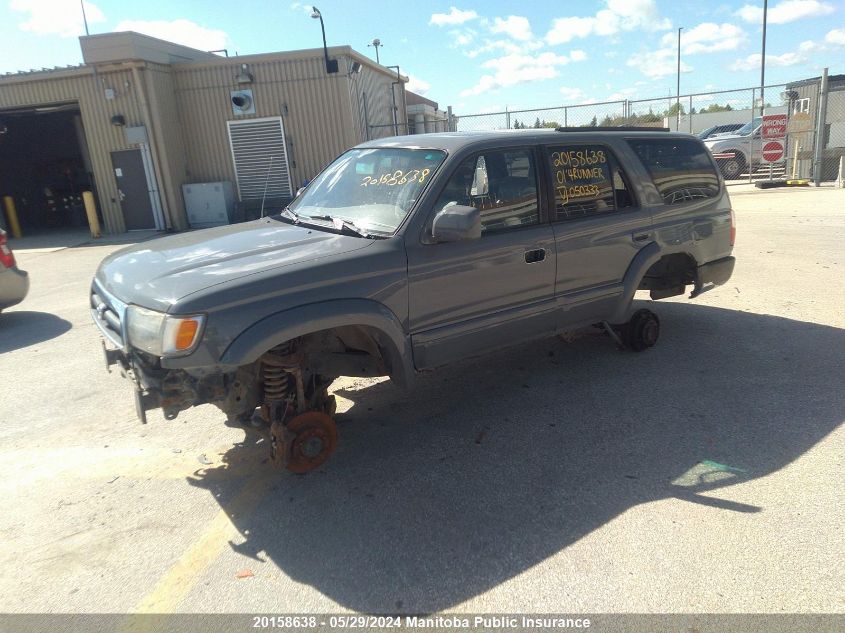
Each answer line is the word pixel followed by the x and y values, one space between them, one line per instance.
pixel 143 121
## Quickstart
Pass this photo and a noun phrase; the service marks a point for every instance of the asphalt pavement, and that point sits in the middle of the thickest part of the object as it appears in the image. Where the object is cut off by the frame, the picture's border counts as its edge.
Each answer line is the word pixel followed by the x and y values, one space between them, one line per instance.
pixel 704 475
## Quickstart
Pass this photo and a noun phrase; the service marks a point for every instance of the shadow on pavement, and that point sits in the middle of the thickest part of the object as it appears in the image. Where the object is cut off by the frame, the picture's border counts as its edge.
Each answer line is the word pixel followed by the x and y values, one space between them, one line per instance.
pixel 491 466
pixel 22 328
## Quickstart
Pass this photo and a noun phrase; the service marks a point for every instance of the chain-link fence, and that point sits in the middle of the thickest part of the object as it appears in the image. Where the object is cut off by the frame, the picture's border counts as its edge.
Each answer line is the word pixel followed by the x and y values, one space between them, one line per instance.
pixel 778 142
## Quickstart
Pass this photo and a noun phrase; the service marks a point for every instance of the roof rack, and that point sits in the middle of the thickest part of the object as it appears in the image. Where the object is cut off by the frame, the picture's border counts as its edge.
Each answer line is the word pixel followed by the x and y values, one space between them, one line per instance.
pixel 620 128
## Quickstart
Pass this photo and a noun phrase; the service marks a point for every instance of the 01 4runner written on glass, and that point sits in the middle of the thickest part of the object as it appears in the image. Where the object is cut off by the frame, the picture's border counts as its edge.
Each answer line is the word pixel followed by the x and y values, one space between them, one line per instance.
pixel 579 173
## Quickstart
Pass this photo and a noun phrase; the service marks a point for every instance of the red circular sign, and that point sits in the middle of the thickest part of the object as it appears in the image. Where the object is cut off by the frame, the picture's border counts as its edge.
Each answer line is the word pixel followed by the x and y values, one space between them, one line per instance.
pixel 773 151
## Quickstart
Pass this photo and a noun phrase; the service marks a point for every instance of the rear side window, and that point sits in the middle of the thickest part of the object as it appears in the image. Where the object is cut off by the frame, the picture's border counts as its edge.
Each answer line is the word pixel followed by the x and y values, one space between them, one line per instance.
pixel 680 168
pixel 587 180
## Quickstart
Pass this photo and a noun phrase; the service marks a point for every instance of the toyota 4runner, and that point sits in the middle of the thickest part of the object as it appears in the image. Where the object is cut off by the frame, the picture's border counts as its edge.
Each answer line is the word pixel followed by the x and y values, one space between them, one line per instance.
pixel 408 253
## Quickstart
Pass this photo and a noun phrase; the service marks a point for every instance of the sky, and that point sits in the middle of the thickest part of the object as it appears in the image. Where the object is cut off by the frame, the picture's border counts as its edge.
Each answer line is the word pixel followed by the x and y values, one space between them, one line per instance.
pixel 477 56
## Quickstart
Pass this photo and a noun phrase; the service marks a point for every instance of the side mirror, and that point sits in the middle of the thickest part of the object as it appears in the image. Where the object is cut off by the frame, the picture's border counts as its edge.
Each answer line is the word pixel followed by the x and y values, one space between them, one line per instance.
pixel 455 223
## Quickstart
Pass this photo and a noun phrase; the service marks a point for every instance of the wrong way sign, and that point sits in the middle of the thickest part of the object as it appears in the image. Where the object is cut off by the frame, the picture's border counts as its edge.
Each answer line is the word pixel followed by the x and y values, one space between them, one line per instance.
pixel 774 126
pixel 772 151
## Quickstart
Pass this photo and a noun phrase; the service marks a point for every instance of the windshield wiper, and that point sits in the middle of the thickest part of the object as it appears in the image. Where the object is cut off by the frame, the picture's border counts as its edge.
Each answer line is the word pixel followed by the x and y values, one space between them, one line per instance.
pixel 343 225
pixel 291 214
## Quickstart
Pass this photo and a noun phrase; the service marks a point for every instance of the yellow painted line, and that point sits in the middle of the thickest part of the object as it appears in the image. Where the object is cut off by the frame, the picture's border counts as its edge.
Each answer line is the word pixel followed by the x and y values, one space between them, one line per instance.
pixel 175 585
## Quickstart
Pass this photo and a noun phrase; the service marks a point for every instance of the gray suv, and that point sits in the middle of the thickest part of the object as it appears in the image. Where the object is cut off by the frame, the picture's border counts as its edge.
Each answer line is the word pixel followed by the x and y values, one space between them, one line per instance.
pixel 408 253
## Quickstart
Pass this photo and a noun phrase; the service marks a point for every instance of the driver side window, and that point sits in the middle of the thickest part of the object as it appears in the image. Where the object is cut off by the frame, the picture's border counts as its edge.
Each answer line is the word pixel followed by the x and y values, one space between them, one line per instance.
pixel 502 184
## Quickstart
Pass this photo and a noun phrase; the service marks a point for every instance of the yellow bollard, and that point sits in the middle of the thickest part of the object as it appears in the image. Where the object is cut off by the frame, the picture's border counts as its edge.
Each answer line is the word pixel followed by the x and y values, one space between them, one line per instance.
pixel 91 212
pixel 12 216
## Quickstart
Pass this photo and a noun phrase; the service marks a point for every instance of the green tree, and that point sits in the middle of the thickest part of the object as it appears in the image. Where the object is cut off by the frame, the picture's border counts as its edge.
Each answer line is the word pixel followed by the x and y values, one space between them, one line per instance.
pixel 673 109
pixel 537 123
pixel 715 107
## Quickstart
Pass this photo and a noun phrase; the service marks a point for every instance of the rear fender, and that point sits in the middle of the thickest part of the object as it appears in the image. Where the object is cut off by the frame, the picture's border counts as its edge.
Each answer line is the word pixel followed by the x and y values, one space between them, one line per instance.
pixel 643 260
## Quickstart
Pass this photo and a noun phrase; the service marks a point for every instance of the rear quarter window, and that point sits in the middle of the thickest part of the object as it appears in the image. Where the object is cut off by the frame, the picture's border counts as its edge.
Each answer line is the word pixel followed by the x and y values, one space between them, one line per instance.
pixel 681 168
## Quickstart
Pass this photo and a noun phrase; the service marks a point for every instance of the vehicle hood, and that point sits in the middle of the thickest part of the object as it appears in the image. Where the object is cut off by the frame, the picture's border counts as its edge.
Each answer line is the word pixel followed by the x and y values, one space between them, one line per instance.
pixel 156 274
pixel 727 138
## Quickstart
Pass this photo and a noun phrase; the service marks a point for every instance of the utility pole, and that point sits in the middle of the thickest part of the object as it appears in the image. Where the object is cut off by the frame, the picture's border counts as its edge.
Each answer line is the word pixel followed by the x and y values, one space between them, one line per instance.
pixel 763 61
pixel 678 85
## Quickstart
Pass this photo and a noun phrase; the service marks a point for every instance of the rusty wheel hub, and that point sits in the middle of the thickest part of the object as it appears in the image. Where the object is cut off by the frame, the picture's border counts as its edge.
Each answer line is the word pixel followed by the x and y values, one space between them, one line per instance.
pixel 305 442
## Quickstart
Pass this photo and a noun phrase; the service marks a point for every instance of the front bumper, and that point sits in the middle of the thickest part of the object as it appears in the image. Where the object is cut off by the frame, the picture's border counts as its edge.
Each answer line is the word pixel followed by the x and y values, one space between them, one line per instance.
pixel 14 286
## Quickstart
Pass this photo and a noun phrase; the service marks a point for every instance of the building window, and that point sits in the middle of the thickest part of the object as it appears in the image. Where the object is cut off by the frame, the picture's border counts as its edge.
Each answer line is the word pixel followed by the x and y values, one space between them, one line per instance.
pixel 587 180
pixel 502 184
pixel 682 169
pixel 801 105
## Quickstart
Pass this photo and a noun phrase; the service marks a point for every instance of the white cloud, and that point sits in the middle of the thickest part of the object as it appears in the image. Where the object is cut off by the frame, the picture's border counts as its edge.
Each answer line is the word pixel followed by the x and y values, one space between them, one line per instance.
pixel 515 26
pixel 56 17
pixel 658 63
pixel 836 37
pixel 179 31
pixel 707 37
pixel 415 84
pixel 571 94
pixel 620 15
pixel 516 69
pixel 464 37
pixel 299 6
pixel 753 61
pixel 455 16
pixel 577 55
pixel 507 46
pixel 785 11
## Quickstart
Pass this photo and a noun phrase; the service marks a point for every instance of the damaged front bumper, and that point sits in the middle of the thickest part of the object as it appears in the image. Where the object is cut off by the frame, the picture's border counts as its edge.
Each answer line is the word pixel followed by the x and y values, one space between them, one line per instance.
pixel 172 390
pixel 155 387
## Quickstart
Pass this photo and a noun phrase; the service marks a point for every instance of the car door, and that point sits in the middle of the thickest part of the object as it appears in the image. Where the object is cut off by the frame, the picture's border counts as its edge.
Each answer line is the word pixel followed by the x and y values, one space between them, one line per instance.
pixel 473 296
pixel 599 226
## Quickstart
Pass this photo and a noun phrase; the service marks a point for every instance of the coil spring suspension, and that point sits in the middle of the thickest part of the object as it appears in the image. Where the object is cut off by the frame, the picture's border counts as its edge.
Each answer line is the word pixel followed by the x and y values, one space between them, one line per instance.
pixel 276 381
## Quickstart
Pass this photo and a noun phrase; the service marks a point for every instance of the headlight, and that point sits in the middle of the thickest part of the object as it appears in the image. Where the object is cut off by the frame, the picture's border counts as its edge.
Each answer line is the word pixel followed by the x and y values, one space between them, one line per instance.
pixel 161 334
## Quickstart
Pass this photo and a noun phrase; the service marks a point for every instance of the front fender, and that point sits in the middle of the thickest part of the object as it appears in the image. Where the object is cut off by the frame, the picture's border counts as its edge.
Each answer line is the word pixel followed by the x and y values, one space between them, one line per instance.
pixel 289 324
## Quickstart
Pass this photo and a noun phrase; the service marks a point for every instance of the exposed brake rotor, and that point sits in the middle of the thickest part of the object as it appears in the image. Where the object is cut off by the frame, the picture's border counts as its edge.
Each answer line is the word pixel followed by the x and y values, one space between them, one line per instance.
pixel 304 443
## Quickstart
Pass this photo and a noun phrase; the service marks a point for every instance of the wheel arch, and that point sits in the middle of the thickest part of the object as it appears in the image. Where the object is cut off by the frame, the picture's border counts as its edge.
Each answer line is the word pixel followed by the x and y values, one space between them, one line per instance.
pixel 643 262
pixel 283 326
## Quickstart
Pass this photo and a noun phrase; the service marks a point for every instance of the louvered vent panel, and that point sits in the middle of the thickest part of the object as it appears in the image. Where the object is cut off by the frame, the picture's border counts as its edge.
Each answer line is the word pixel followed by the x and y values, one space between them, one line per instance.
pixel 260 157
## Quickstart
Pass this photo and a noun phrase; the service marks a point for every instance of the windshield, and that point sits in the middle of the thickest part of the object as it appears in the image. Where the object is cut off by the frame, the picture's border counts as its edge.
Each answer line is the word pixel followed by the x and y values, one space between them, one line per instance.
pixel 372 188
pixel 749 127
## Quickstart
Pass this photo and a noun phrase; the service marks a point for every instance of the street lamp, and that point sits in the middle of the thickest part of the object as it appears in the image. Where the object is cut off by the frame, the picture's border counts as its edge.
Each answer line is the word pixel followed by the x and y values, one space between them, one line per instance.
pixel 762 64
pixel 678 86
pixel 331 64
pixel 375 44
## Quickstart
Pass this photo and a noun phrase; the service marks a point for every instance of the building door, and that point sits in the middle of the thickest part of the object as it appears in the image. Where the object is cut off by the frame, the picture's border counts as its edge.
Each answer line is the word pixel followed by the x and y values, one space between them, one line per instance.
pixel 132 189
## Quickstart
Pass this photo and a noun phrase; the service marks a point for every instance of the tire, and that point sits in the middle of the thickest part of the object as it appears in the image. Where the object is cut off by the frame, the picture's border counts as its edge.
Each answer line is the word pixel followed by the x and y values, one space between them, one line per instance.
pixel 641 331
pixel 732 168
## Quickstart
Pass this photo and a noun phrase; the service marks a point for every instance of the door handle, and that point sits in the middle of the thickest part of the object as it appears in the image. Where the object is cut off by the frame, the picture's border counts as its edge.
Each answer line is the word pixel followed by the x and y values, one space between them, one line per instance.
pixel 534 256
pixel 641 237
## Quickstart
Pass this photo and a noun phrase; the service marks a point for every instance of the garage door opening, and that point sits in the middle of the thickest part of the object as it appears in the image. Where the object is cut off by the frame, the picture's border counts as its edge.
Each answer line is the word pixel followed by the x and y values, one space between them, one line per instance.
pixel 45 167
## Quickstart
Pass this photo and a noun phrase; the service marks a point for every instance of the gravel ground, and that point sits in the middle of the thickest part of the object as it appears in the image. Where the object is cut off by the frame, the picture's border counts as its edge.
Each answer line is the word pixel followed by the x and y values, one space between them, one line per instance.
pixel 704 475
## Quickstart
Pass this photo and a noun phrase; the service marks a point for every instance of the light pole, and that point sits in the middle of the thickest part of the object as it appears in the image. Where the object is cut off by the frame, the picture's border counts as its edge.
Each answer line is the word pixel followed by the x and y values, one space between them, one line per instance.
pixel 678 86
pixel 331 64
pixel 763 60
pixel 375 44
